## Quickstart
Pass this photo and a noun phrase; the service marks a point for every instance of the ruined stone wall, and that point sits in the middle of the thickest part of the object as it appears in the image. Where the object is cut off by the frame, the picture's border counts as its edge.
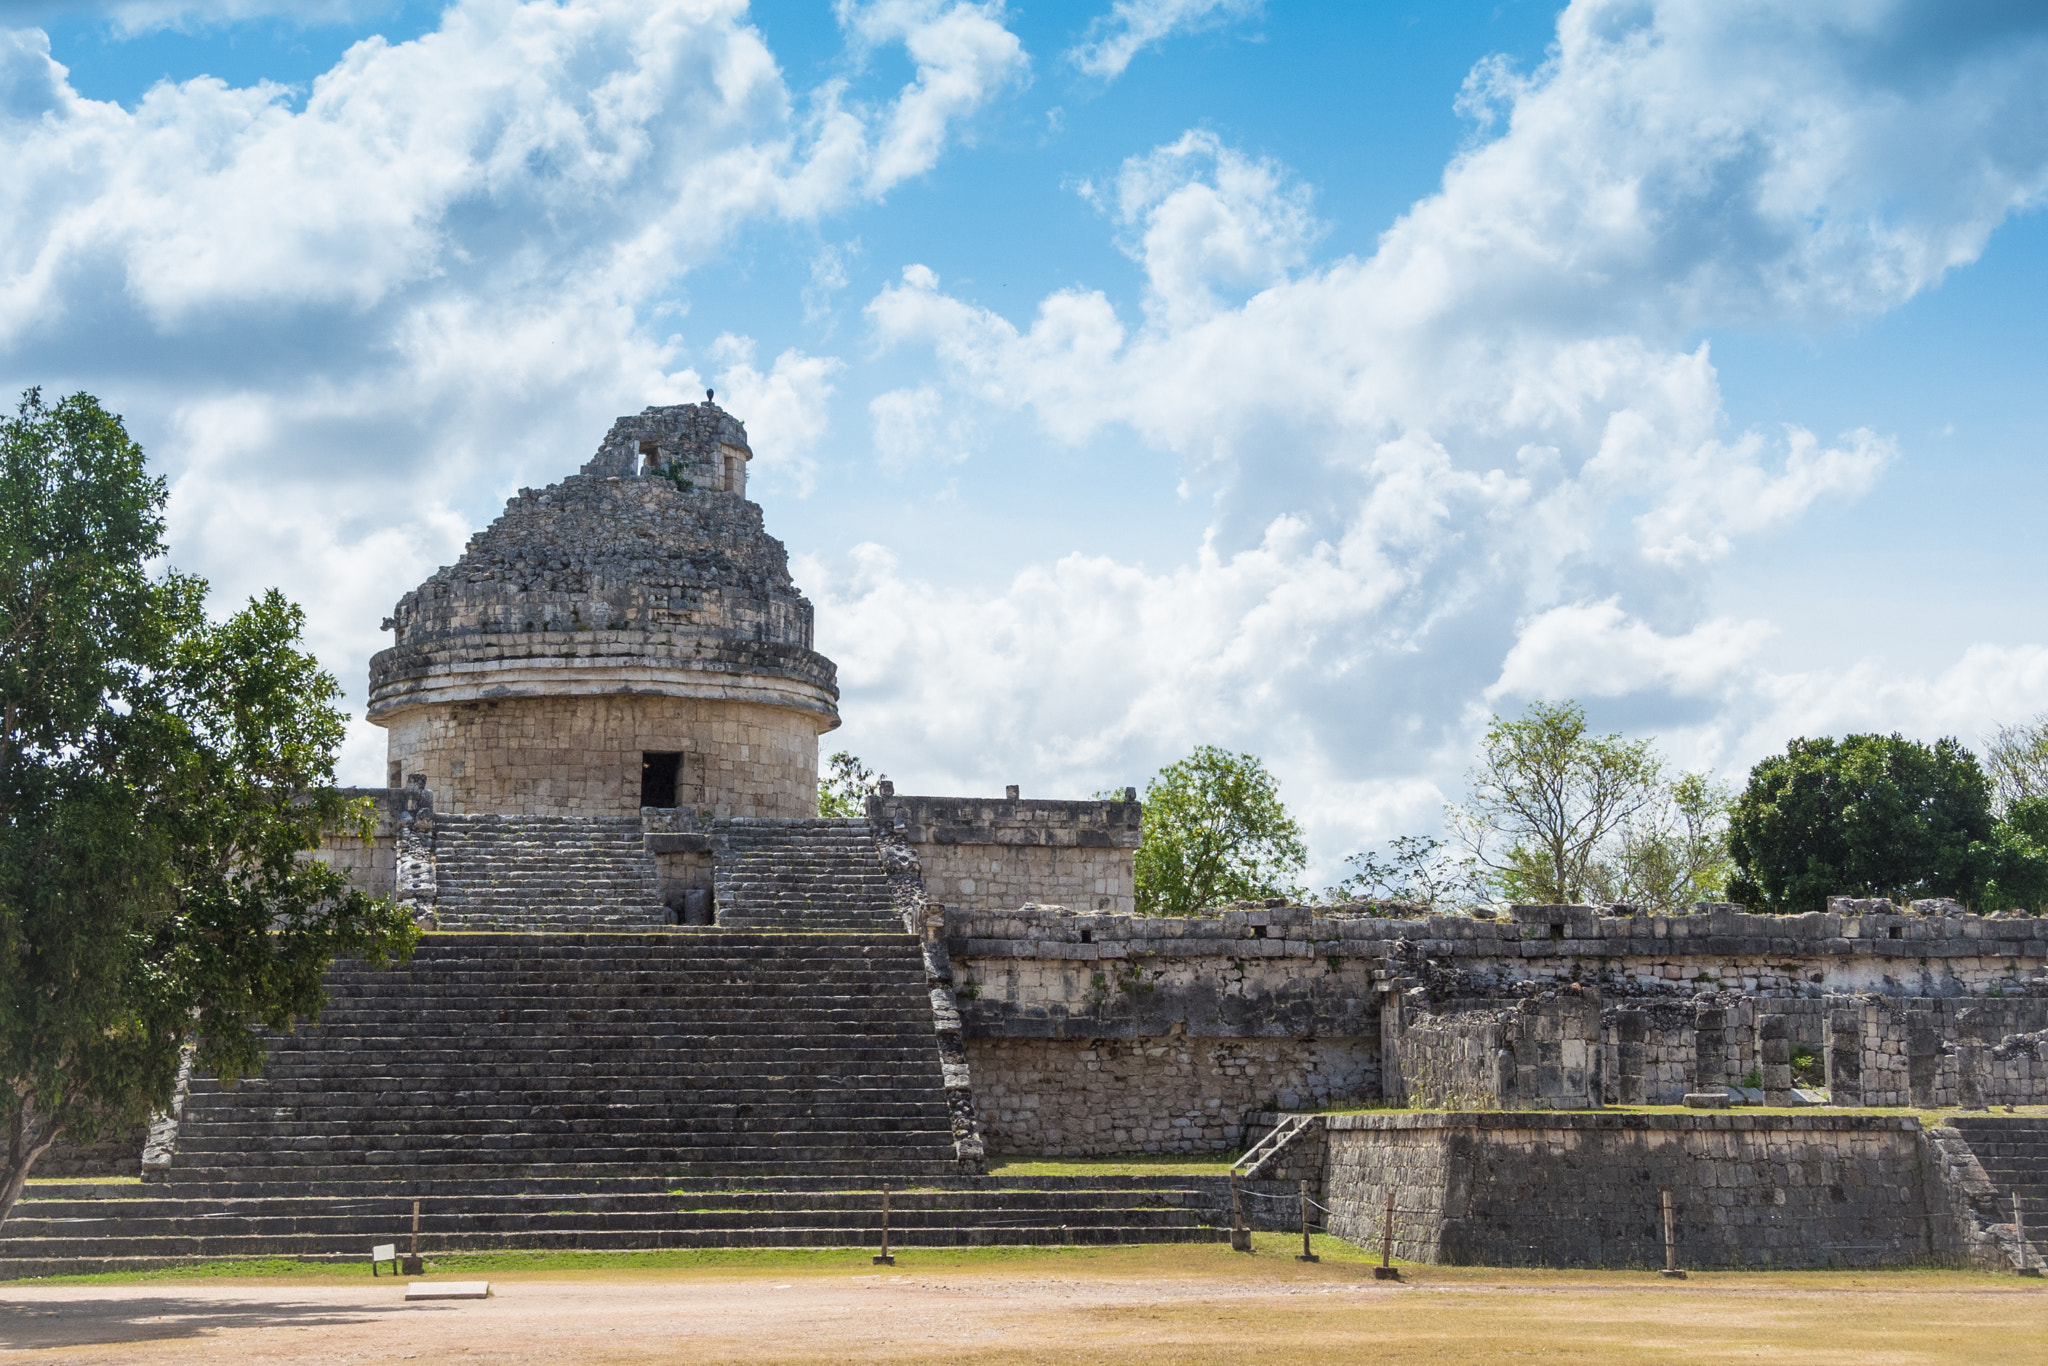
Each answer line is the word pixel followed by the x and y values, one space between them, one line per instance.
pixel 1173 1093
pixel 1103 1033
pixel 1541 1054
pixel 1687 1003
pixel 990 854
pixel 1751 1191
pixel 1904 1050
pixel 2012 1071
pixel 580 756
pixel 994 876
pixel 372 864
pixel 607 615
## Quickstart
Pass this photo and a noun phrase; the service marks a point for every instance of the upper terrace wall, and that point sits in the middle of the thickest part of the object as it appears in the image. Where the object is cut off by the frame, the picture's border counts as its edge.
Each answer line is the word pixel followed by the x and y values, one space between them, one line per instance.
pixel 988 853
pixel 1037 964
pixel 1097 1033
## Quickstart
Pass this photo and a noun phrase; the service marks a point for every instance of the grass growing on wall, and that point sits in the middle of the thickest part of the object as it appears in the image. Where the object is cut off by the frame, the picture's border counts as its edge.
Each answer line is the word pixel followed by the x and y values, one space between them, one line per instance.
pixel 1125 1164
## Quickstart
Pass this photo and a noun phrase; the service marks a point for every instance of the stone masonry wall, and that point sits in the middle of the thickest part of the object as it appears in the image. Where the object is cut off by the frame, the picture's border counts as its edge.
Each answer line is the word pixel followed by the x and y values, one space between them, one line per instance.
pixel 1081 1097
pixel 1541 1054
pixel 1688 1001
pixel 1751 1191
pixel 995 876
pixel 580 756
pixel 990 854
pixel 372 864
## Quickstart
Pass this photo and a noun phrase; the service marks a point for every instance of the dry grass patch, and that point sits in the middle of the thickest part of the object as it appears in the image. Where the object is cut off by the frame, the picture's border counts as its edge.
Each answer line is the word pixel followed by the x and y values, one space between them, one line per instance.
pixel 1112 1305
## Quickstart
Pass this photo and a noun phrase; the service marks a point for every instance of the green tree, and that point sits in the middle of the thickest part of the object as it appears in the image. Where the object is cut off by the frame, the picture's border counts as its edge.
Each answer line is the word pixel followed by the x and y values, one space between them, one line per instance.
pixel 1868 815
pixel 1215 830
pixel 1550 800
pixel 845 786
pixel 1411 870
pixel 2015 860
pixel 162 780
pixel 1671 852
pixel 2016 760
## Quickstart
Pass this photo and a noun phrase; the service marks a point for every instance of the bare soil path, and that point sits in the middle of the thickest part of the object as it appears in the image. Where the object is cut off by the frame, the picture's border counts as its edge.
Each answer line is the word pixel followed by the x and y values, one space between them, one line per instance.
pixel 1128 1305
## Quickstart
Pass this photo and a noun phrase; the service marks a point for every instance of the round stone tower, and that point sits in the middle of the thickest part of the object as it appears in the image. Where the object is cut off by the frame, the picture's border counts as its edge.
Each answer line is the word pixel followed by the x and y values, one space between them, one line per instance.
pixel 628 637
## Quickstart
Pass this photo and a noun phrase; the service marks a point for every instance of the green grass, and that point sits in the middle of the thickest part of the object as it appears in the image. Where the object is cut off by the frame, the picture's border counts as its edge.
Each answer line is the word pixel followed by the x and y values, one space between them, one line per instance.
pixel 745 1261
pixel 1124 1164
pixel 1928 1117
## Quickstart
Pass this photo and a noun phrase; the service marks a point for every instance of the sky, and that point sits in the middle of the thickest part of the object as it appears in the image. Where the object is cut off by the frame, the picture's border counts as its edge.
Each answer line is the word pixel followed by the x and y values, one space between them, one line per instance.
pixel 1315 380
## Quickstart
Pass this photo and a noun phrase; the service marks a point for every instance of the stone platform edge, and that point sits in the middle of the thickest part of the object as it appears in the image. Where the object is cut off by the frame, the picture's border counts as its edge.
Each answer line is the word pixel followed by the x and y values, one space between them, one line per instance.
pixel 1596 1122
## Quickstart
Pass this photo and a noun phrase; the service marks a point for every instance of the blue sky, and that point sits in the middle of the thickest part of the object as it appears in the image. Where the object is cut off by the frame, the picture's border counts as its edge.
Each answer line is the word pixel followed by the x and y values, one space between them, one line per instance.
pixel 1310 379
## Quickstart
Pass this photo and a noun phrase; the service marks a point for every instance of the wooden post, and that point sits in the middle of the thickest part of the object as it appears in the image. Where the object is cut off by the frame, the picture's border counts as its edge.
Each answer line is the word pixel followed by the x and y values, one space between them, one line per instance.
pixel 1670 1238
pixel 2019 1231
pixel 885 1259
pixel 1306 1255
pixel 413 1265
pixel 1240 1236
pixel 1386 1270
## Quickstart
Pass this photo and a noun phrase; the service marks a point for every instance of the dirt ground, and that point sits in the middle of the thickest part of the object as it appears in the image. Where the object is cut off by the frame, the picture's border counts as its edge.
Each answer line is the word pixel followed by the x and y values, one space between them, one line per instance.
pixel 1144 1305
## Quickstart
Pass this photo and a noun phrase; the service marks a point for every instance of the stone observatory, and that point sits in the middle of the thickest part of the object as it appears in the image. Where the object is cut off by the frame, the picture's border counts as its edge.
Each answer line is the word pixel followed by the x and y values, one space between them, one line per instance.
pixel 627 638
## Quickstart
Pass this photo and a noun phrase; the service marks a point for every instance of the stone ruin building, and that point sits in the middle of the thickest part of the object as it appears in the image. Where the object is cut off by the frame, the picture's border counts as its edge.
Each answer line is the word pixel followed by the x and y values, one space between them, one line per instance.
pixel 664 1004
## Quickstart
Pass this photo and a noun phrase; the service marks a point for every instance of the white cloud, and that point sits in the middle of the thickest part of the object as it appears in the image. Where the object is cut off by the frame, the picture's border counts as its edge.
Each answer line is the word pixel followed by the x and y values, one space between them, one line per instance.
pixel 964 57
pixel 1473 466
pixel 1595 650
pixel 1209 218
pixel 1131 26
pixel 350 325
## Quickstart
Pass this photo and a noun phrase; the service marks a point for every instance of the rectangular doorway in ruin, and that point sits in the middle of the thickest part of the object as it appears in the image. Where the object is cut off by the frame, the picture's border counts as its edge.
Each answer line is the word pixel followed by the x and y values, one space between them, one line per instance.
pixel 658 773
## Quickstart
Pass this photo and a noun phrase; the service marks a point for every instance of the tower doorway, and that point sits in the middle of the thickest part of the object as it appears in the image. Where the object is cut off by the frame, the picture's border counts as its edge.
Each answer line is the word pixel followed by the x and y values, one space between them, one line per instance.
pixel 658 774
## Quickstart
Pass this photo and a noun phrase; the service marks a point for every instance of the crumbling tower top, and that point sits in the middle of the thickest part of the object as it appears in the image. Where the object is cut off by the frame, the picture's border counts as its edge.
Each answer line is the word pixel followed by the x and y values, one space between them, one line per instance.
pixel 636 608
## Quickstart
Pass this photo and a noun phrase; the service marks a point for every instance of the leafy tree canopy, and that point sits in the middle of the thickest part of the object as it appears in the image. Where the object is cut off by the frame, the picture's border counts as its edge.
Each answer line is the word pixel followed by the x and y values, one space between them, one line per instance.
pixel 2016 761
pixel 1559 815
pixel 1412 870
pixel 162 778
pixel 1215 830
pixel 845 786
pixel 1867 815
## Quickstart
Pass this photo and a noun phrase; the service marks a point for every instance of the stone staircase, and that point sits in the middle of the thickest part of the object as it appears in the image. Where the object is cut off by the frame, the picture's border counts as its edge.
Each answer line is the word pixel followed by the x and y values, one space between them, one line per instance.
pixel 705 1054
pixel 817 874
pixel 2013 1151
pixel 545 873
pixel 72 1228
pixel 597 1092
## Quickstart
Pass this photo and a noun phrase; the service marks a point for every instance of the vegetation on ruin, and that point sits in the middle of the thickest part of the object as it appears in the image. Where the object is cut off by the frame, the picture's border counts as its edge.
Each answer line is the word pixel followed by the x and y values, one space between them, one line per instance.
pixel 845 786
pixel 2016 761
pixel 1559 815
pixel 1215 830
pixel 1411 871
pixel 1883 816
pixel 162 777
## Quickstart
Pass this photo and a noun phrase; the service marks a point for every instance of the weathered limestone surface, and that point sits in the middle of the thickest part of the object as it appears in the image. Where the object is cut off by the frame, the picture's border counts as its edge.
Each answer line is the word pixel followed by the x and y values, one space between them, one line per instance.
pixel 580 756
pixel 1077 1097
pixel 373 864
pixel 1641 1010
pixel 1751 1191
pixel 636 606
pixel 989 854
pixel 1543 1053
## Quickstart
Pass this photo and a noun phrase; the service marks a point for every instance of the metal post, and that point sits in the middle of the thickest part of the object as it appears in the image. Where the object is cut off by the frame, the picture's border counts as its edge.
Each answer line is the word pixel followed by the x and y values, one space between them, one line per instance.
pixel 885 1259
pixel 1670 1238
pixel 2019 1232
pixel 1240 1236
pixel 1386 1270
pixel 1306 1255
